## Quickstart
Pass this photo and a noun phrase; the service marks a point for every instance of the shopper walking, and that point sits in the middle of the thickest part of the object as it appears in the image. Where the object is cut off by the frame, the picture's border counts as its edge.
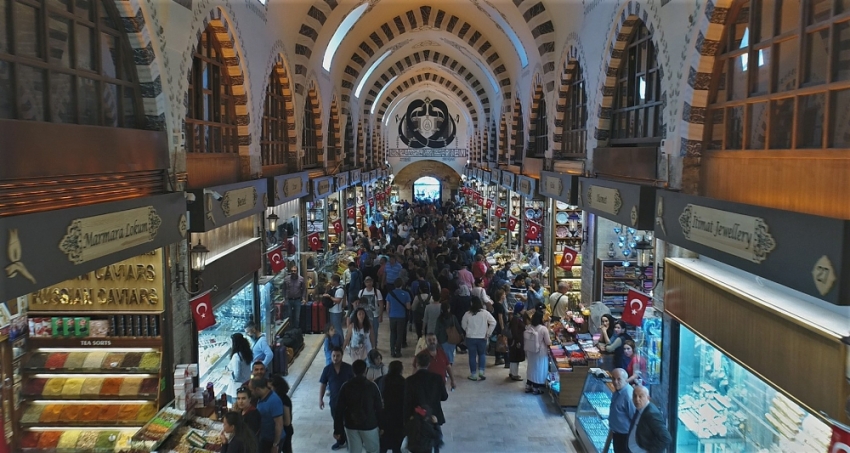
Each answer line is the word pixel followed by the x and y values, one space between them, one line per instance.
pixel 478 325
pixel 516 351
pixel 398 302
pixel 260 347
pixel 391 417
pixel 236 437
pixel 445 322
pixel 357 342
pixel 333 377
pixel 241 359
pixel 439 363
pixel 336 293
pixel 536 343
pixel 295 291
pixel 372 300
pixel 424 388
pixel 420 303
pixel 281 389
pixel 621 411
pixel 430 315
pixel 249 412
pixel 359 403
pixel 270 408
pixel 375 367
pixel 648 433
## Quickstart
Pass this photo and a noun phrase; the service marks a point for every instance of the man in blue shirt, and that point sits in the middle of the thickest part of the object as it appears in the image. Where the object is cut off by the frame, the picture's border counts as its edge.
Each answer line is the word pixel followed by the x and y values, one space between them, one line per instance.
pixel 261 348
pixel 333 376
pixel 392 270
pixel 621 411
pixel 270 408
pixel 398 302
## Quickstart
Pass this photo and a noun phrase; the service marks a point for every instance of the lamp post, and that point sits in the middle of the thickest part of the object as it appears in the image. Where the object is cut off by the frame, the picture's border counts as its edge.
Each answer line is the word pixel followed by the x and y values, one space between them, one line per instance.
pixel 198 256
pixel 273 218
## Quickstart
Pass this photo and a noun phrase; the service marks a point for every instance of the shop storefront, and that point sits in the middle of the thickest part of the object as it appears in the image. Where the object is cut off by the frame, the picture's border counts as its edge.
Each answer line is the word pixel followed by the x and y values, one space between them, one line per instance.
pixel 533 220
pixel 336 212
pixel 493 190
pixel 227 222
pixel 317 215
pixel 354 203
pixel 83 335
pixel 511 202
pixel 565 230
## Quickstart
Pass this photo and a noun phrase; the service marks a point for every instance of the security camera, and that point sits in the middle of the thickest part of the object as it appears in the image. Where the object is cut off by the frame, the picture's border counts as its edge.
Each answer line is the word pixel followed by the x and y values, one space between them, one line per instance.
pixel 215 194
pixel 190 197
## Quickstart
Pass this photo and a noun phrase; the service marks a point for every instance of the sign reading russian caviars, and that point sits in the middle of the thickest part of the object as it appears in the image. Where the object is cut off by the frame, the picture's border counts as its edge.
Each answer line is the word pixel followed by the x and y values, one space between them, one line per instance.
pixel 762 241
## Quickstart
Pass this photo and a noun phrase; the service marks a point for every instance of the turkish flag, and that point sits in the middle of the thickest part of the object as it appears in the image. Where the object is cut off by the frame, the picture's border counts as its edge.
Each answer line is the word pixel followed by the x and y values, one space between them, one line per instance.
pixel 371 201
pixel 337 225
pixel 500 211
pixel 512 221
pixel 379 196
pixel 389 189
pixel 489 204
pixel 202 311
pixel 840 442
pixel 532 231
pixel 568 258
pixel 362 209
pixel 276 260
pixel 635 307
pixel 352 213
pixel 480 201
pixel 314 242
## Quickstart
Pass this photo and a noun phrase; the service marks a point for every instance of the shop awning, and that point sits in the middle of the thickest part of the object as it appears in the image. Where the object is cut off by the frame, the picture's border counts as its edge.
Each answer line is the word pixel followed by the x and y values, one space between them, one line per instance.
pixel 342 180
pixel 628 204
pixel 802 251
pixel 219 205
pixel 507 179
pixel 45 248
pixel 559 186
pixel 288 187
pixel 322 187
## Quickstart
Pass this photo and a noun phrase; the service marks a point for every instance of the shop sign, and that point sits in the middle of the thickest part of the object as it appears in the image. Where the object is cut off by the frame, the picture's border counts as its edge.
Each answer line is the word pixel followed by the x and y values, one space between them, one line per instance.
pixel 507 180
pixel 526 186
pixel 559 186
pixel 237 201
pixel 628 204
pixel 130 285
pixel 93 237
pixel 288 187
pixel 354 176
pixel 604 199
pixel 341 181
pixel 322 187
pixel 219 205
pixel 763 241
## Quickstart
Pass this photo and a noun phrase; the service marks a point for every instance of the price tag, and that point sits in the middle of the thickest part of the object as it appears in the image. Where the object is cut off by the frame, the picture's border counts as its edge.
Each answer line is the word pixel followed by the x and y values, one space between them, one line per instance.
pixel 823 275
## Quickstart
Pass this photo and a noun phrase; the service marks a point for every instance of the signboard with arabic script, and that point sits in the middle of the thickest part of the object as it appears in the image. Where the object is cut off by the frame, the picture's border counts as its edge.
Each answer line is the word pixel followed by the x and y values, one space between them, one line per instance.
pixel 624 203
pixel 801 251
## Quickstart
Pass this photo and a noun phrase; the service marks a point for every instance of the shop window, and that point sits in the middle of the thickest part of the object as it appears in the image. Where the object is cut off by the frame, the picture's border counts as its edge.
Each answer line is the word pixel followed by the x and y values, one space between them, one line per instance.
pixel 636 117
pixel 349 153
pixel 211 121
pixel 67 62
pixel 274 143
pixel 574 135
pixel 308 137
pixel 777 85
pixel 540 140
pixel 519 135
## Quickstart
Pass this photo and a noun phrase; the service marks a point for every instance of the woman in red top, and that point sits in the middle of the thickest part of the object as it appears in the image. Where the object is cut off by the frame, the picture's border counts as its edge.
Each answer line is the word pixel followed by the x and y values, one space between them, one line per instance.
pixel 479 267
pixel 637 364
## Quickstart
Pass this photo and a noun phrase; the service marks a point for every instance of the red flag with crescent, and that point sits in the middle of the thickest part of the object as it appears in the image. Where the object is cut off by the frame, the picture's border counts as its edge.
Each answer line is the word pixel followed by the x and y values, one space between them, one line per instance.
pixel 480 201
pixel 351 212
pixel 371 202
pixel 489 204
pixel 512 221
pixel 532 231
pixel 202 311
pixel 500 211
pixel 389 190
pixel 276 260
pixel 337 225
pixel 840 442
pixel 635 307
pixel 314 242
pixel 568 258
pixel 379 196
pixel 363 209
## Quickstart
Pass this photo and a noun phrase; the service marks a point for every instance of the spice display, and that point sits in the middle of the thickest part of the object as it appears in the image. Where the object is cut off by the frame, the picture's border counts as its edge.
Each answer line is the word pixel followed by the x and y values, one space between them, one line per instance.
pixel 149 386
pixel 51 413
pixel 123 440
pixel 69 439
pixel 90 412
pixel 56 360
pixel 73 386
pixel 88 439
pixel 34 386
pixel 128 412
pixel 111 386
pixel 112 360
pixel 30 439
pixel 49 439
pixel 106 440
pixel 150 361
pixel 146 412
pixel 32 414
pixel 94 360
pixel 109 412
pixel 91 387
pixel 130 386
pixel 76 360
pixel 37 360
pixel 132 360
pixel 54 387
pixel 71 412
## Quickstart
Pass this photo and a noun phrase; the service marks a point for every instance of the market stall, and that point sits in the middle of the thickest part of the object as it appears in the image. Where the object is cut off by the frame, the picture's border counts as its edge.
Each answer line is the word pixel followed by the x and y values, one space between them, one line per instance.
pixel 571 355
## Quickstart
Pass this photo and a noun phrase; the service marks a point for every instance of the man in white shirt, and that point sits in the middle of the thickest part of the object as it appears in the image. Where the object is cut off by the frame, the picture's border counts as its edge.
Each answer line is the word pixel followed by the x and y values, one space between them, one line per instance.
pixel 559 302
pixel 337 294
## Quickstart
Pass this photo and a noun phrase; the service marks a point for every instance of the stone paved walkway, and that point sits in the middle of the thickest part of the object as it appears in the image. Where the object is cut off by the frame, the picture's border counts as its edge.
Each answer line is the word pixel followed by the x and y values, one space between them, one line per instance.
pixel 490 416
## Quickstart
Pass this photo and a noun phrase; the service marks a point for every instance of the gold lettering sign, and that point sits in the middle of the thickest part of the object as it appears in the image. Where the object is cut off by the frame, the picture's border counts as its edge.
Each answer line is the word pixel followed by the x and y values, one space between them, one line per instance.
pixel 237 201
pixel 553 185
pixel 525 186
pixel 736 234
pixel 292 186
pixel 604 199
pixel 130 285
pixel 323 186
pixel 93 237
pixel 506 179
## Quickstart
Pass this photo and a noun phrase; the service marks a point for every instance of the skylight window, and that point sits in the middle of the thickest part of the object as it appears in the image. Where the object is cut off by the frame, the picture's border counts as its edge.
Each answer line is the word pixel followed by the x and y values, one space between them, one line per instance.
pixel 523 57
pixel 745 41
pixel 381 93
pixel 340 33
pixel 369 72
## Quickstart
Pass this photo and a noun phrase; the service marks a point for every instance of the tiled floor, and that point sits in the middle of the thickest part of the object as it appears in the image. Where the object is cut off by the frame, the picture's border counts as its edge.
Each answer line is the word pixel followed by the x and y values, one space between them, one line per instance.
pixel 490 416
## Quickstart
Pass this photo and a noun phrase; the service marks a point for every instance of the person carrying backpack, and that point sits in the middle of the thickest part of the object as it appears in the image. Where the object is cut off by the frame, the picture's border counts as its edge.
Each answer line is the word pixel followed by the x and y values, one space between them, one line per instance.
pixel 536 343
pixel 422 431
pixel 419 303
pixel 355 281
pixel 334 301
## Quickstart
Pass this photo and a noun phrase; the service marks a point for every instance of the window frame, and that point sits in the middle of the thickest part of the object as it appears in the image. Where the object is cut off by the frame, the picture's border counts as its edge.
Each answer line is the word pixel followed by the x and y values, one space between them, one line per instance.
pixel 574 131
pixel 518 137
pixel 537 146
pixel 274 138
pixel 309 142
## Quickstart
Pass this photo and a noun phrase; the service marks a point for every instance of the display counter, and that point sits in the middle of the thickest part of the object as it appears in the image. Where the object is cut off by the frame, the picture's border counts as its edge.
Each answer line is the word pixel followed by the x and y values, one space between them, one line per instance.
pixel 591 425
pixel 569 363
pixel 214 341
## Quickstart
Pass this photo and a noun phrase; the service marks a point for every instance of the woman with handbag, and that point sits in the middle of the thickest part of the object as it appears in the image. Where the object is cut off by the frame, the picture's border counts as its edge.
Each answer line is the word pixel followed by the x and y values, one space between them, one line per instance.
pixel 516 352
pixel 357 342
pixel 500 314
pixel 478 324
pixel 241 360
pixel 448 331
pixel 536 343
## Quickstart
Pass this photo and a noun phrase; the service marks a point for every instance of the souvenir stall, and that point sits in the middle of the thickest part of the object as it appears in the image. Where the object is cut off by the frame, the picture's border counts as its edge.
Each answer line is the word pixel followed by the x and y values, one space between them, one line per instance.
pixel 336 212
pixel 479 198
pixel 317 214
pixel 533 219
pixel 512 204
pixel 487 195
pixel 493 196
pixel 566 224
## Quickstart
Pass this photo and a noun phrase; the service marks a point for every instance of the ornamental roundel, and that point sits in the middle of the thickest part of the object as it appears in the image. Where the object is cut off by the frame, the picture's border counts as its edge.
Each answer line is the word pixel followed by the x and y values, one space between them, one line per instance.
pixel 427 124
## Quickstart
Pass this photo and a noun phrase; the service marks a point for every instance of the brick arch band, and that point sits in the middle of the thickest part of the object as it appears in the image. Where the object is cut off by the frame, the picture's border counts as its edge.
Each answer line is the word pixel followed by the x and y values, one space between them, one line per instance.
pixel 516 117
pixel 423 17
pixel 425 77
pixel 334 155
pixel 570 64
pixel 539 21
pixel 223 33
pixel 315 106
pixel 632 16
pixel 361 144
pixel 532 116
pixel 403 64
pixel 504 142
pixel 311 26
pixel 279 71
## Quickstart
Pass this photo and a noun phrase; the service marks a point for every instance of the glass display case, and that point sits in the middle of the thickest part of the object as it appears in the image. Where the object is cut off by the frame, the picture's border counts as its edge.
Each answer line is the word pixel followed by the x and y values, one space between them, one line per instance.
pixel 723 407
pixel 214 341
pixel 648 341
pixel 592 412
pixel 267 309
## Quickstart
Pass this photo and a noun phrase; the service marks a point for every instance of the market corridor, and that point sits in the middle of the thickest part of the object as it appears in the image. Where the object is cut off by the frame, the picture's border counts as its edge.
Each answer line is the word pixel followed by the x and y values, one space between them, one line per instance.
pixel 493 416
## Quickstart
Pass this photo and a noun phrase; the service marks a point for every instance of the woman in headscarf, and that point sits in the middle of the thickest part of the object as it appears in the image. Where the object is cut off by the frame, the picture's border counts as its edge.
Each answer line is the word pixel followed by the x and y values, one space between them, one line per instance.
pixel 516 353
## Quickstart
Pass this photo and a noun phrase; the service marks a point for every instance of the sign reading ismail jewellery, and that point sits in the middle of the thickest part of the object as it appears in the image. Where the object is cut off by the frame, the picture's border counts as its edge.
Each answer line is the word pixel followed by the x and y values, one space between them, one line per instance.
pixel 628 204
pixel 220 205
pixel 802 251
pixel 559 186
pixel 39 250
pixel 288 187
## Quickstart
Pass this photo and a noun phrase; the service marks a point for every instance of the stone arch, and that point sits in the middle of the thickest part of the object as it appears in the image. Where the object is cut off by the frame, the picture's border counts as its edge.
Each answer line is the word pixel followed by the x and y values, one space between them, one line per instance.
pixel 361 144
pixel 405 177
pixel 540 23
pixel 417 18
pixel 334 136
pixel 279 71
pixel 313 102
pixel 310 29
pixel 631 15
pixel 504 146
pixel 571 62
pixel 218 22
pixel 536 98
pixel 518 132
pixel 424 77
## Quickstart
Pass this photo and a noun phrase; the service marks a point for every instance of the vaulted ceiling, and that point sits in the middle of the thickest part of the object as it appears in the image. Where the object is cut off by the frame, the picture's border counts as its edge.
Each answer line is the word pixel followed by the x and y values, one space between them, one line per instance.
pixel 475 51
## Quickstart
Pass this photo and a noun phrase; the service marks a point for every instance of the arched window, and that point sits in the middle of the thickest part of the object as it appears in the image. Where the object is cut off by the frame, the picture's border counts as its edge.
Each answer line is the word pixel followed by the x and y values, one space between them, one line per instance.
pixel 777 86
pixel 67 62
pixel 333 152
pixel 274 144
pixel 492 149
pixel 349 153
pixel 503 142
pixel 211 121
pixel 308 136
pixel 636 117
pixel 540 140
pixel 574 135
pixel 519 135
